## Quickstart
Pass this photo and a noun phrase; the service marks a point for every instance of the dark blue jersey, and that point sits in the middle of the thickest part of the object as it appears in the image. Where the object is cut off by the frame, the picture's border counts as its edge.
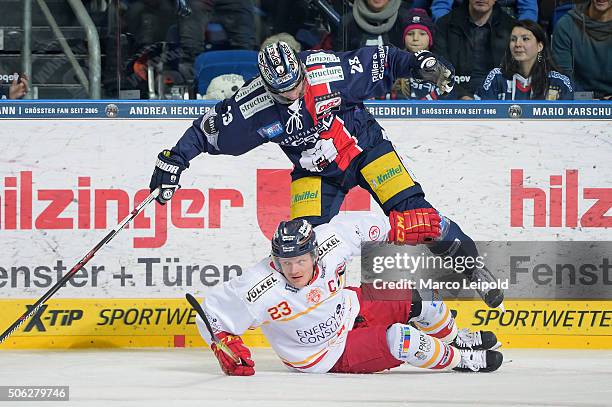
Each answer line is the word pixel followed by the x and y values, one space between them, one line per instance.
pixel 497 87
pixel 323 131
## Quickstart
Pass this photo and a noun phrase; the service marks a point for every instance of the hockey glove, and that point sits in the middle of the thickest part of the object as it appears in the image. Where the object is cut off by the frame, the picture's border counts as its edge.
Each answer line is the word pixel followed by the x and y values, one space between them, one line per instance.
pixel 415 226
pixel 246 367
pixel 166 175
pixel 436 70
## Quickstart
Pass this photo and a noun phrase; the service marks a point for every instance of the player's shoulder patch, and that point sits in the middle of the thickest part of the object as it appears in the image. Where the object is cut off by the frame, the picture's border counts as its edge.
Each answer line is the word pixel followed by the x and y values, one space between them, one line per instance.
pixel 325 75
pixel 248 88
pixel 490 77
pixel 256 104
pixel 321 58
pixel 328 244
pixel 261 287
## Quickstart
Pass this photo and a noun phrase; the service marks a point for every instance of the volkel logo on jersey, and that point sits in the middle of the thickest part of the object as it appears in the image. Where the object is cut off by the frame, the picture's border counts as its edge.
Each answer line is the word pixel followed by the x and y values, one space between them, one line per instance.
pixel 328 245
pixel 261 288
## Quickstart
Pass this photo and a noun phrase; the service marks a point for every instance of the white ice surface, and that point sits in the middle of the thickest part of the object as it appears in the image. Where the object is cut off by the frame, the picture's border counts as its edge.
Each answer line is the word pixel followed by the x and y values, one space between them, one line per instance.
pixel 191 377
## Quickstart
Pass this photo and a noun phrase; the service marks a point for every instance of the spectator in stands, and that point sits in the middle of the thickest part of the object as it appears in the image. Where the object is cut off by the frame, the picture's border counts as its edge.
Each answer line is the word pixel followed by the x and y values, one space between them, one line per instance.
pixel 474 38
pixel 288 38
pixel 582 46
pixel 372 22
pixel 149 20
pixel 17 89
pixel 527 70
pixel 152 21
pixel 418 36
pixel 520 9
pixel 194 16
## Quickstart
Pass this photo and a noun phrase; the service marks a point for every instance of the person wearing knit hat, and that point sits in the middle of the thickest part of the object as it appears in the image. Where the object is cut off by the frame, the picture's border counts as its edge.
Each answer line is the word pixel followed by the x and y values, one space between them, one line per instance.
pixel 418 33
pixel 418 36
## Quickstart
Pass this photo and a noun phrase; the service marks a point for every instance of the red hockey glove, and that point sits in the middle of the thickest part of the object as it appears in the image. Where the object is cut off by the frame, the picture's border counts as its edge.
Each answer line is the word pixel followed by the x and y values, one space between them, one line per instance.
pixel 228 365
pixel 415 226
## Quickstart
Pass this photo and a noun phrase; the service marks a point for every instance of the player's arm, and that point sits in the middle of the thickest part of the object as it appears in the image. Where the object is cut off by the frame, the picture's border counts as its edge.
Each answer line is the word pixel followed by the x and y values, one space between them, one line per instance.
pixel 371 71
pixel 230 316
pixel 412 227
pixel 222 130
pixel 357 228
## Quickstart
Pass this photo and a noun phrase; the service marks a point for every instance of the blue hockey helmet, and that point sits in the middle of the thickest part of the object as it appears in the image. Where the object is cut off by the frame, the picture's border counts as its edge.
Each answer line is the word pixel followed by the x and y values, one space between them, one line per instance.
pixel 280 68
pixel 294 238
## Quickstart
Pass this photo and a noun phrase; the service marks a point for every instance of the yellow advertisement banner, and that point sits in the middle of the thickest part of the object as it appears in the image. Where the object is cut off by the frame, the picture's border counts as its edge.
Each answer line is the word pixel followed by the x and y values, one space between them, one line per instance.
pixel 541 323
pixel 82 323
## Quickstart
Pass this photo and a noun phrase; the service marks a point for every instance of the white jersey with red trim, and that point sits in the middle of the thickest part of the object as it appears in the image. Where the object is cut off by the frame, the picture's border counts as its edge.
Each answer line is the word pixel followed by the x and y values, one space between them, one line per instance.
pixel 307 327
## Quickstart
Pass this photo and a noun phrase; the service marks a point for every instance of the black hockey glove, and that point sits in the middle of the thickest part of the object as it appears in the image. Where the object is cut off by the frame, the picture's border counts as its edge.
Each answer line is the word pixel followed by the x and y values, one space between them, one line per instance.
pixel 166 175
pixel 436 70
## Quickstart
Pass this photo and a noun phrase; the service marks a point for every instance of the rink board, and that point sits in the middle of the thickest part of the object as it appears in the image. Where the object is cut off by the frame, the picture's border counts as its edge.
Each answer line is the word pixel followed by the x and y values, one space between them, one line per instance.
pixel 66 180
pixel 84 323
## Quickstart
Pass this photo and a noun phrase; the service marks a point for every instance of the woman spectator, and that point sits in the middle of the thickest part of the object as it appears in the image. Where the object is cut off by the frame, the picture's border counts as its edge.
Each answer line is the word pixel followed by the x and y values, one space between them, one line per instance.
pixel 527 70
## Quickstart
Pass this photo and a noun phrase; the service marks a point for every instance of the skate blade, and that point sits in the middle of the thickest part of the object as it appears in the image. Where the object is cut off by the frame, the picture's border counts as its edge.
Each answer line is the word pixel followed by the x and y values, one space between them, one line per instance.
pixel 496 346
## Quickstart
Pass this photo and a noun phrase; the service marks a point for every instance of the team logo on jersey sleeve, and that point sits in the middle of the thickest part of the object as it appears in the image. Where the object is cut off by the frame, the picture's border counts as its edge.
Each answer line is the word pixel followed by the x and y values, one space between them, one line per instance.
pixel 272 130
pixel 261 288
pixel 325 75
pixel 321 58
pixel 257 104
pixel 374 233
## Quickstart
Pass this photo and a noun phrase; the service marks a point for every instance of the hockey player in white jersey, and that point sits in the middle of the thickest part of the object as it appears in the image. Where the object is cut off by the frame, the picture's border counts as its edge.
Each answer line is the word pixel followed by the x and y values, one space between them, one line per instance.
pixel 314 323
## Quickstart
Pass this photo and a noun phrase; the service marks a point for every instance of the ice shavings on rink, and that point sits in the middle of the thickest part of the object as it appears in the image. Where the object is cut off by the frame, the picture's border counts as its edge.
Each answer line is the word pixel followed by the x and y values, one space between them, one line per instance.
pixel 191 377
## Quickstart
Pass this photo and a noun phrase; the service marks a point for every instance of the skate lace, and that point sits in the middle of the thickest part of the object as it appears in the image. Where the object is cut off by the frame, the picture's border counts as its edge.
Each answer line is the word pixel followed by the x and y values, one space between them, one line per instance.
pixel 467 339
pixel 473 360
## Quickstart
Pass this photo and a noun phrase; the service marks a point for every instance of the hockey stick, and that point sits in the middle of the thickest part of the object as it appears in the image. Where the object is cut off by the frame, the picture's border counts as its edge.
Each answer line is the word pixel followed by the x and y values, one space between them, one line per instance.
pixel 196 306
pixel 34 309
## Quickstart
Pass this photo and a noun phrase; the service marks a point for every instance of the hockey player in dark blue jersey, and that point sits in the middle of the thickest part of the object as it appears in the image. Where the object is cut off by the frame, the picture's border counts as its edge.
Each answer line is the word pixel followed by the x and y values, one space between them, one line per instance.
pixel 311 104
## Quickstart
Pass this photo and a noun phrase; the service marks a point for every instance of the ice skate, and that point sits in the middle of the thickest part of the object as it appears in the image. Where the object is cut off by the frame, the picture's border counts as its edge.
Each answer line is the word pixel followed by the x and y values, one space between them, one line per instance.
pixel 479 361
pixel 478 340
